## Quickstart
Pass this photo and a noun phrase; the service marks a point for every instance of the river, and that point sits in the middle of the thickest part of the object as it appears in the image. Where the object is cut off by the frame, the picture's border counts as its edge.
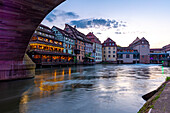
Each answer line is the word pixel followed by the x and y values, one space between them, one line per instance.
pixel 100 88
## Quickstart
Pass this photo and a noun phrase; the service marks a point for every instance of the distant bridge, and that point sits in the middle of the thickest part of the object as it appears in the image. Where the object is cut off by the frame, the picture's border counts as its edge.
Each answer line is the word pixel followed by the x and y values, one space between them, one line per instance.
pixel 18 21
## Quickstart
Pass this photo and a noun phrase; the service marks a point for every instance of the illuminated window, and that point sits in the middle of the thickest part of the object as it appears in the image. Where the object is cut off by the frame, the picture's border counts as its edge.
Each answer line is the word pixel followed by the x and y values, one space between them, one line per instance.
pixel 41 47
pixel 33 46
pixel 45 39
pixel 34 38
pixel 55 42
pixel 40 38
pixel 36 56
pixel 51 41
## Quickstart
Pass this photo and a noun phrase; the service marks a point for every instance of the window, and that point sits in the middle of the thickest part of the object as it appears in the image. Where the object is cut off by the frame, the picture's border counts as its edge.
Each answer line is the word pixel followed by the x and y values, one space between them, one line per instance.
pixel 104 52
pixel 109 51
pixel 51 41
pixel 113 44
pixel 55 42
pixel 143 56
pixel 45 39
pixel 104 48
pixel 109 47
pixel 40 38
pixel 143 46
pixel 79 57
pixel 109 40
pixel 127 56
pixel 113 51
pixel 110 44
pixel 104 44
pixel 113 56
pixel 108 55
pixel 104 55
pixel 41 27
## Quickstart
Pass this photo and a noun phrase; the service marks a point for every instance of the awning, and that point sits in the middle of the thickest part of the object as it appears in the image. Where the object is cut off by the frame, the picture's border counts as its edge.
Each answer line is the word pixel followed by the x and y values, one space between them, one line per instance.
pixel 51 53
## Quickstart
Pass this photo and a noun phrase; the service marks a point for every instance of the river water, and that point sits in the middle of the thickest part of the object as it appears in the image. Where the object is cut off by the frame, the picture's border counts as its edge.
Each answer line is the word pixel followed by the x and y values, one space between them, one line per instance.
pixel 83 89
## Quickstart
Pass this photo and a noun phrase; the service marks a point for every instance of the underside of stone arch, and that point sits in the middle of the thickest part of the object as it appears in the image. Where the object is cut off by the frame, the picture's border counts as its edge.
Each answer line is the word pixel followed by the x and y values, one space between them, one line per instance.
pixel 18 21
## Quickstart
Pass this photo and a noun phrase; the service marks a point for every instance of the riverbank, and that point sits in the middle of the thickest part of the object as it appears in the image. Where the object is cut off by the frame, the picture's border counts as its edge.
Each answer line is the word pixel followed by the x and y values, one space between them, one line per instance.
pixel 159 102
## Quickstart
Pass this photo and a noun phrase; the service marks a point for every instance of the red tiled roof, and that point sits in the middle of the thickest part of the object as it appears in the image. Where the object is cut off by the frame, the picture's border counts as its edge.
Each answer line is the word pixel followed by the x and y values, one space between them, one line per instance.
pixel 93 38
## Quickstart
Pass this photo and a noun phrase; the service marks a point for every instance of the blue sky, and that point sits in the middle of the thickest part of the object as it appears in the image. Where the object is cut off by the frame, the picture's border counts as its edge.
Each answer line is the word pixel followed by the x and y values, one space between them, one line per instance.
pixel 121 20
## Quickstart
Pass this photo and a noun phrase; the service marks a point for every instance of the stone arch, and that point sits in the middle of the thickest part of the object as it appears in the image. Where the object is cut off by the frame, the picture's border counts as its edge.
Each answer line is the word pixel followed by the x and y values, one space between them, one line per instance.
pixel 18 21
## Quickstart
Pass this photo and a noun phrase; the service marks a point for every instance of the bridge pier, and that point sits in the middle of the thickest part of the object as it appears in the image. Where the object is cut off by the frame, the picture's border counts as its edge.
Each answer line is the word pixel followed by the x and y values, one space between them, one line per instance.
pixel 17 70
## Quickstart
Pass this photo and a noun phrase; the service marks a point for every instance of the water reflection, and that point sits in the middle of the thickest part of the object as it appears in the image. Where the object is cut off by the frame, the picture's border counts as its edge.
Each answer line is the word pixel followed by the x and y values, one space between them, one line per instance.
pixel 89 89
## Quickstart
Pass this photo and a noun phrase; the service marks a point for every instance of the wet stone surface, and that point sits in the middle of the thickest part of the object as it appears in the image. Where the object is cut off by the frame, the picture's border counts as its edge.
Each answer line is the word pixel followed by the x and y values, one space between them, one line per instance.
pixel 83 89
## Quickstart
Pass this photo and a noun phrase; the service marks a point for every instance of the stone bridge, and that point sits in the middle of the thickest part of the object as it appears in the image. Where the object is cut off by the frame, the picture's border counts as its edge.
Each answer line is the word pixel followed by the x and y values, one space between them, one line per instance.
pixel 18 21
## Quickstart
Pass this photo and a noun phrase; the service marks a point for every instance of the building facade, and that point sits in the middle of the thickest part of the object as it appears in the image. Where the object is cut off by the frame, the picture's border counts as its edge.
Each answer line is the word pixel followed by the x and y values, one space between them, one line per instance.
pixel 88 47
pixel 67 39
pixel 45 49
pixel 158 55
pixel 143 47
pixel 79 44
pixel 109 51
pixel 97 47
pixel 126 55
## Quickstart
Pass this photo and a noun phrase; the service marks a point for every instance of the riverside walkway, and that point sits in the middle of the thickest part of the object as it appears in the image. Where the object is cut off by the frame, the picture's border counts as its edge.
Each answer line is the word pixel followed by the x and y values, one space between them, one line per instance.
pixel 162 105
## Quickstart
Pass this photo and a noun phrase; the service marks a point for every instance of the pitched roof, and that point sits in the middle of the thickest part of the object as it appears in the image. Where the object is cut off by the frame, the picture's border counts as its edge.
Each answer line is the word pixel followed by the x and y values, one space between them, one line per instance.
pixel 93 38
pixel 109 42
pixel 77 34
pixel 138 41
pixel 65 33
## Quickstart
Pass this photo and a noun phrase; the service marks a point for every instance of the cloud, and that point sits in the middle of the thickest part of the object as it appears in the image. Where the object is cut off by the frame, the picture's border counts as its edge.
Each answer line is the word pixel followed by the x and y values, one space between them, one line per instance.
pixel 60 15
pixel 97 23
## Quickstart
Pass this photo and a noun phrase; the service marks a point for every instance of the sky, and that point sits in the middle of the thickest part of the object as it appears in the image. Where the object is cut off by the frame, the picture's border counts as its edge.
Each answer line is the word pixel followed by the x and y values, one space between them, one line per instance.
pixel 121 20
